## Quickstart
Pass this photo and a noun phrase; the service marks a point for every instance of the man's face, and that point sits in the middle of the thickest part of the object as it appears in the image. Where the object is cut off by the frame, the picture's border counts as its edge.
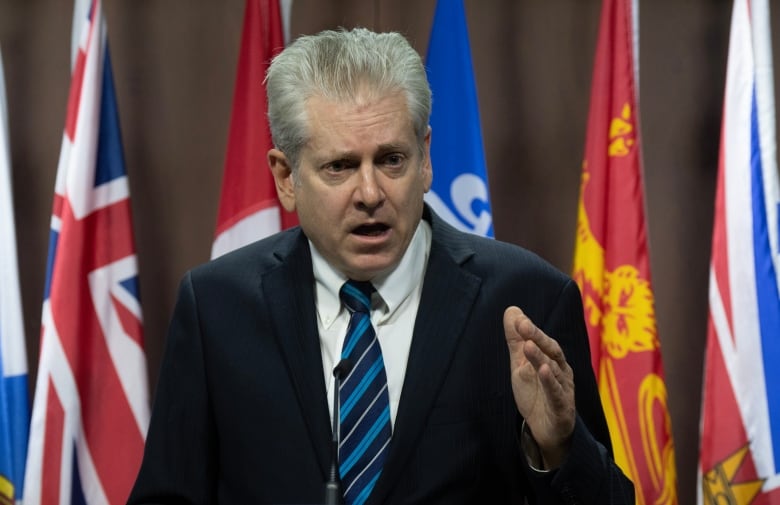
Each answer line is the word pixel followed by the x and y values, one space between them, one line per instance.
pixel 360 184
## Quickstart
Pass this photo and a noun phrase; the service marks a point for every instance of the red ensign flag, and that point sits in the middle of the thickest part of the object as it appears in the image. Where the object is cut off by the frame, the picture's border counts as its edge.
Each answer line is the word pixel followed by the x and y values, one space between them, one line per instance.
pixel 612 268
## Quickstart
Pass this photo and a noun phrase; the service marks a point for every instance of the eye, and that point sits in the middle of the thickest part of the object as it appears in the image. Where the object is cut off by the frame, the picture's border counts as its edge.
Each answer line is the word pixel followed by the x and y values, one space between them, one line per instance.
pixel 393 160
pixel 338 166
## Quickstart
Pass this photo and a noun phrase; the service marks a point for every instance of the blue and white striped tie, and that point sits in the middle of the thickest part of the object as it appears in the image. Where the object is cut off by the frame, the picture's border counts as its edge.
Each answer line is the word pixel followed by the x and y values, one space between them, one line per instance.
pixel 365 404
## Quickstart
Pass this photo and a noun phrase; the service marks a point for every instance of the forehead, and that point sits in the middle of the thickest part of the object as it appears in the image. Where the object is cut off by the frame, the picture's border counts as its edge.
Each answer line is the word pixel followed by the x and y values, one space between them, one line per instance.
pixel 337 125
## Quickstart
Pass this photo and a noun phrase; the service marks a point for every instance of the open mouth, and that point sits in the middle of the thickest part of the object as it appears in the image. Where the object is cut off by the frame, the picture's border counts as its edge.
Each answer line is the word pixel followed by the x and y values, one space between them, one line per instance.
pixel 371 230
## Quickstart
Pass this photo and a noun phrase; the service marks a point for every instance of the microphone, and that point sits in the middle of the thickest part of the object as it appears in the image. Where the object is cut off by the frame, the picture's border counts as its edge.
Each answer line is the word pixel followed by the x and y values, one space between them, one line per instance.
pixel 333 494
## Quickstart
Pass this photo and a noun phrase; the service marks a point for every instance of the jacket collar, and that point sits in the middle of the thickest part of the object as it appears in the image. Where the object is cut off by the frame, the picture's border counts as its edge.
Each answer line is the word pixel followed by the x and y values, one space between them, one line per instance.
pixel 437 330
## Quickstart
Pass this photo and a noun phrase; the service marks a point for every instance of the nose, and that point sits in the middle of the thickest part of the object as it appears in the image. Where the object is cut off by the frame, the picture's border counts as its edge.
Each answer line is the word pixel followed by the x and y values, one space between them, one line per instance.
pixel 369 193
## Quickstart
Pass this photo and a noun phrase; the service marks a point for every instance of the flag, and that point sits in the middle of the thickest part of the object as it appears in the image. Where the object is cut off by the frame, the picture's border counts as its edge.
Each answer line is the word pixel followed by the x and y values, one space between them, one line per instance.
pixel 612 268
pixel 14 403
pixel 90 411
pixel 459 192
pixel 740 423
pixel 249 208
pixel 286 6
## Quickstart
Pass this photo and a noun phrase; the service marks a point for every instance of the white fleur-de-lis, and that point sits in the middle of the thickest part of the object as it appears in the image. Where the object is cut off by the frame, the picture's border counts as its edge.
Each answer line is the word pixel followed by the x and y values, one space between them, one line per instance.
pixel 464 190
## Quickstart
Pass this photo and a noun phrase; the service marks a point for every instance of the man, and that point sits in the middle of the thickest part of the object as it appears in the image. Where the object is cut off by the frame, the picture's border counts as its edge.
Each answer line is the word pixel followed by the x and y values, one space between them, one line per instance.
pixel 448 392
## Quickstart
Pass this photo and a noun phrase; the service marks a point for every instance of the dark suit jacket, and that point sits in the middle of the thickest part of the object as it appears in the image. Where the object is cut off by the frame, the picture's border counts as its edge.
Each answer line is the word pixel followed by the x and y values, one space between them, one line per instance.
pixel 241 415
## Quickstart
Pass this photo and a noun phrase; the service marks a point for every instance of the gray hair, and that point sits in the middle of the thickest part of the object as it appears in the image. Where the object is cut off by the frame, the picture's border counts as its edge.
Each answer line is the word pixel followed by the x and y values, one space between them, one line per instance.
pixel 340 65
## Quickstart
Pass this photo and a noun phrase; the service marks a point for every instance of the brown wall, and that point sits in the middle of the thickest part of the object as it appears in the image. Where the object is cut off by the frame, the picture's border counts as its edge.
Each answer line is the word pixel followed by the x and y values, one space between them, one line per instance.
pixel 174 65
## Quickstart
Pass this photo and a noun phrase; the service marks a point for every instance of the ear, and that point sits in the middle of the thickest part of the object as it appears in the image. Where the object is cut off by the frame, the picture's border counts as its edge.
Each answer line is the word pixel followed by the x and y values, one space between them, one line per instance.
pixel 427 167
pixel 283 178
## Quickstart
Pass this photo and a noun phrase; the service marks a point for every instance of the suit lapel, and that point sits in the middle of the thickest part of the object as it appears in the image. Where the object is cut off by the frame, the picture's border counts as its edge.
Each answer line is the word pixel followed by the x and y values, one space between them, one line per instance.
pixel 437 329
pixel 289 292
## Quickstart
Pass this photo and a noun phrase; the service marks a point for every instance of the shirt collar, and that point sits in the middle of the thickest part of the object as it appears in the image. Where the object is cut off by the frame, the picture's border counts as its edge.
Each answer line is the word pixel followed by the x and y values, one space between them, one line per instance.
pixel 393 287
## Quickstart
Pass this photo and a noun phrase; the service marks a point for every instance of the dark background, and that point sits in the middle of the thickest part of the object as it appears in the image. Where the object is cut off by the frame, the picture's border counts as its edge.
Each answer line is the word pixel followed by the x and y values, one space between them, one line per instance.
pixel 174 66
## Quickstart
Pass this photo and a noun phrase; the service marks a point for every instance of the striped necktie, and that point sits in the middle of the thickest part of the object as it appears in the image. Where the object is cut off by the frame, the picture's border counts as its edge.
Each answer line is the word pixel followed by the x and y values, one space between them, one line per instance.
pixel 365 404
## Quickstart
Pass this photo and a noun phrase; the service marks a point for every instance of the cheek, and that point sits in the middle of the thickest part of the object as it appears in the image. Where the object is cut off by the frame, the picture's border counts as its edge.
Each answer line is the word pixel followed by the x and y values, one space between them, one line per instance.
pixel 413 194
pixel 319 206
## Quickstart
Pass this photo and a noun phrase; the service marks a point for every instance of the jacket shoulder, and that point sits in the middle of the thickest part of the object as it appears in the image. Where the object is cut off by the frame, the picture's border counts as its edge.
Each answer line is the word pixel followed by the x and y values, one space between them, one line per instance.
pixel 252 260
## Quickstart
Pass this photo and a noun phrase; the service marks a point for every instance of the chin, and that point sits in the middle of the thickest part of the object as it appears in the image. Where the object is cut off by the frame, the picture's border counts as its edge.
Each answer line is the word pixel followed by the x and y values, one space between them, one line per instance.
pixel 367 270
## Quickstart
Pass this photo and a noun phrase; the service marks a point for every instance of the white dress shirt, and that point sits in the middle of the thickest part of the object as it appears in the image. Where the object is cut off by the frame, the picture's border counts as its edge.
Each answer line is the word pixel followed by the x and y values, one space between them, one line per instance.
pixel 393 312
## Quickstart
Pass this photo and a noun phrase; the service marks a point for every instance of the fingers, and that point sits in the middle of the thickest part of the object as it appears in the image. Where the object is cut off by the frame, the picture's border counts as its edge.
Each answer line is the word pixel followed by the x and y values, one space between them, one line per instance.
pixel 519 329
pixel 542 383
pixel 554 382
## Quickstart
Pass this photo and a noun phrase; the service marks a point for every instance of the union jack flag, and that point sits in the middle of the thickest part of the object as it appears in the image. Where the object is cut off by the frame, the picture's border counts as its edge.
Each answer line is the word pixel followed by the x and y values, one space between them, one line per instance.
pixel 91 410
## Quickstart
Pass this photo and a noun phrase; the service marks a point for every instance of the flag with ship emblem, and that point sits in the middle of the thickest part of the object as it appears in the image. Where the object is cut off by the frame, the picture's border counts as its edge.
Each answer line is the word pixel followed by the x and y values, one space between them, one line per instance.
pixel 739 460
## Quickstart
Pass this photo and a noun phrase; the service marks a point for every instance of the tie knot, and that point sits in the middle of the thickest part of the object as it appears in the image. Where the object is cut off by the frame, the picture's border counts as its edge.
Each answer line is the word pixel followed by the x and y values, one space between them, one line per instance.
pixel 356 296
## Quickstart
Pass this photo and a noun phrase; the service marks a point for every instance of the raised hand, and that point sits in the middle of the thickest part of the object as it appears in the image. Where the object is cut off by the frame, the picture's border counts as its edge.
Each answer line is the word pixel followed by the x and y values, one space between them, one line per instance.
pixel 543 386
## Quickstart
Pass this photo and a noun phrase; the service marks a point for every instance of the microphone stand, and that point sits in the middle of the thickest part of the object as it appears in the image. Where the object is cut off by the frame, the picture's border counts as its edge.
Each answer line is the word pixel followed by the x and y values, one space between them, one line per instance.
pixel 333 494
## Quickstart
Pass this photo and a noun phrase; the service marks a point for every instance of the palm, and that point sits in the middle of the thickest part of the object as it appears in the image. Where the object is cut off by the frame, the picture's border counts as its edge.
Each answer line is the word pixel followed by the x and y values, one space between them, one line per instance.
pixel 542 382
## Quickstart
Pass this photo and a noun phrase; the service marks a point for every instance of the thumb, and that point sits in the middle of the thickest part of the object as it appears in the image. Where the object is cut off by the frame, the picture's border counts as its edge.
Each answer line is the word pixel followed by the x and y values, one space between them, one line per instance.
pixel 514 339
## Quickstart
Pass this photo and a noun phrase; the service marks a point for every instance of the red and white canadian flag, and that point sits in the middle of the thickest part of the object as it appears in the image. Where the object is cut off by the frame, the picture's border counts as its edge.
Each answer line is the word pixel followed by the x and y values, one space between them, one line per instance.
pixel 249 208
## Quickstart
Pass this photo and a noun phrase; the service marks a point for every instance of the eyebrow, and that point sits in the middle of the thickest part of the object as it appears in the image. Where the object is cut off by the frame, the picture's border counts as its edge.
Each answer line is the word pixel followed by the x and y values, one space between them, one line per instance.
pixel 382 149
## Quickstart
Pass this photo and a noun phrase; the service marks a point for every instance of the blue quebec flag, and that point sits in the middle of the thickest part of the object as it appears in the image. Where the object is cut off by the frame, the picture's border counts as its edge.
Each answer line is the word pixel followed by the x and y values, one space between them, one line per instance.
pixel 14 403
pixel 459 193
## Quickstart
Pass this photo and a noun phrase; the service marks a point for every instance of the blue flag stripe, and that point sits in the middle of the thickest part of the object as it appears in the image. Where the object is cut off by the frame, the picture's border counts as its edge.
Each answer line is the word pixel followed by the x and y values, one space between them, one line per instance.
pixel 14 423
pixel 76 490
pixel 5 428
pixel 110 164
pixel 132 286
pixel 767 295
pixel 54 237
